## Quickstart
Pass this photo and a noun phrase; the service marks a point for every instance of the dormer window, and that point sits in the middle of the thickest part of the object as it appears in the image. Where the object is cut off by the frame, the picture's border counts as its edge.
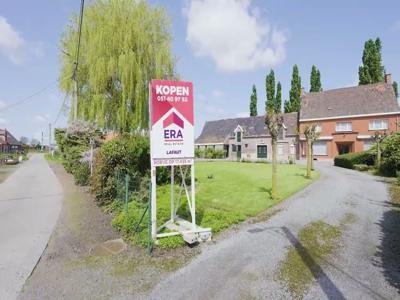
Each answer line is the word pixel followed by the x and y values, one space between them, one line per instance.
pixel 238 136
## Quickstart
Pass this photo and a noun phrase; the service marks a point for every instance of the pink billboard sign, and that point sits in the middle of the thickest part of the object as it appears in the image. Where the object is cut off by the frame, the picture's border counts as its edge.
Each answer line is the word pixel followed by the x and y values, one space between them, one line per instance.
pixel 172 121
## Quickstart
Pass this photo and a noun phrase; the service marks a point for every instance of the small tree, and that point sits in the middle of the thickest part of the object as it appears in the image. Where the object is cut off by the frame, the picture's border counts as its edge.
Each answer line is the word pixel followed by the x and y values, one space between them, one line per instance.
pixel 274 122
pixel 253 102
pixel 378 137
pixel 311 134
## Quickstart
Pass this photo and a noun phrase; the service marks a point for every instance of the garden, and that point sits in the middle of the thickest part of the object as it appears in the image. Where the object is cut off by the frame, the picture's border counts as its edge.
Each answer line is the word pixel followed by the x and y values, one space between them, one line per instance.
pixel 382 159
pixel 227 192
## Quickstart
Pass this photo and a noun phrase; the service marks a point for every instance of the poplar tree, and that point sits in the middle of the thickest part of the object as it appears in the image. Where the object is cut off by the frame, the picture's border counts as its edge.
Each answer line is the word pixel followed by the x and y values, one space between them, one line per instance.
pixel 372 70
pixel 270 91
pixel 395 89
pixel 295 92
pixel 253 102
pixel 278 97
pixel 315 80
pixel 124 44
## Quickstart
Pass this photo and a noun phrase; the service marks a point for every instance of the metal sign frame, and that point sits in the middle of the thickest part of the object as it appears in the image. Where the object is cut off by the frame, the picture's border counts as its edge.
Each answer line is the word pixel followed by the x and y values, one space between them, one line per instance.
pixel 190 232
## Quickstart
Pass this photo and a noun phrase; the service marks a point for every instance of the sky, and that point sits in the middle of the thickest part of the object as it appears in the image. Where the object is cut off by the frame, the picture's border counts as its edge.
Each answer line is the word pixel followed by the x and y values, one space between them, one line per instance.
pixel 222 46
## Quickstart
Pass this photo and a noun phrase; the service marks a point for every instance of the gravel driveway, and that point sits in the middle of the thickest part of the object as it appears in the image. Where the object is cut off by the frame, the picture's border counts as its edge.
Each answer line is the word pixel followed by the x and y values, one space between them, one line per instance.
pixel 359 265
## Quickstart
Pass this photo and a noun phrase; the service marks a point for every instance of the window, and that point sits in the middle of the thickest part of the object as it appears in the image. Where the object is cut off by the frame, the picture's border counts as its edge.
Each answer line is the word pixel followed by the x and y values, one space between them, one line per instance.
pixel 368 144
pixel 318 128
pixel 280 149
pixel 238 136
pixel 378 124
pixel 343 126
pixel 233 148
pixel 319 148
pixel 261 151
pixel 246 145
pixel 214 147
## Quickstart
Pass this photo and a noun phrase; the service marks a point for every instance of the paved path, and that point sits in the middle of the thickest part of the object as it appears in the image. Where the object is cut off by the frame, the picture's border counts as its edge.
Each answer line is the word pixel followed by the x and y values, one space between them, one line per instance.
pixel 244 266
pixel 30 201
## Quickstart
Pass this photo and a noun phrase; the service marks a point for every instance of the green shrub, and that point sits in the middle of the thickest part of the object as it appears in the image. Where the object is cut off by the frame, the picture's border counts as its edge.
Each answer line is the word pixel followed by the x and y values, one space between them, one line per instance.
pixel 361 167
pixel 390 155
pixel 350 159
pixel 81 174
pixel 127 155
pixel 198 153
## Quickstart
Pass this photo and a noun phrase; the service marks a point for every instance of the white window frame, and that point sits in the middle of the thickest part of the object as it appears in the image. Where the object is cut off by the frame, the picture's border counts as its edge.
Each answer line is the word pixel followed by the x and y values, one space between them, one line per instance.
pixel 318 128
pixel 318 152
pixel 383 124
pixel 348 128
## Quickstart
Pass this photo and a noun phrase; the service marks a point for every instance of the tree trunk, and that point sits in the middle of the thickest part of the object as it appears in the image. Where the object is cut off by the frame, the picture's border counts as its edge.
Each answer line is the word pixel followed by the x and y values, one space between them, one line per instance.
pixel 312 157
pixel 309 158
pixel 274 169
pixel 378 154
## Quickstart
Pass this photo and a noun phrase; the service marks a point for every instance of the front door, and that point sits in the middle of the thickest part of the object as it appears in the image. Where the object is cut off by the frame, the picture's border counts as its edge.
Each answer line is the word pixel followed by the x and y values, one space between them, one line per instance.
pixel 239 152
pixel 344 148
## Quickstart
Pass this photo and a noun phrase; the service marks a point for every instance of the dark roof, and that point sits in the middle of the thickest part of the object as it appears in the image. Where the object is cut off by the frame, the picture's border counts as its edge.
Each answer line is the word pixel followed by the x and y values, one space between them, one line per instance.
pixel 220 130
pixel 11 140
pixel 358 100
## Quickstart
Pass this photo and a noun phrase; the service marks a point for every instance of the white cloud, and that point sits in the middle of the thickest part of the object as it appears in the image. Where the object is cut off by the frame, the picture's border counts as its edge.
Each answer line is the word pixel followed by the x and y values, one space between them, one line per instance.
pixel 14 46
pixel 234 35
pixel 3 121
pixel 40 118
pixel 11 42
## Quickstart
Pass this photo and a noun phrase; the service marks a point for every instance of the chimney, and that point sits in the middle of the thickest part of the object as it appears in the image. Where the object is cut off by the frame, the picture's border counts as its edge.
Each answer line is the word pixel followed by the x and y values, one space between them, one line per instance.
pixel 388 78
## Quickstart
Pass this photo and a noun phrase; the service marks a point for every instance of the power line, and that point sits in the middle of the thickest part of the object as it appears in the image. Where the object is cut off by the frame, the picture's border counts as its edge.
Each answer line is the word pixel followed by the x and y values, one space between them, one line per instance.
pixel 60 110
pixel 23 100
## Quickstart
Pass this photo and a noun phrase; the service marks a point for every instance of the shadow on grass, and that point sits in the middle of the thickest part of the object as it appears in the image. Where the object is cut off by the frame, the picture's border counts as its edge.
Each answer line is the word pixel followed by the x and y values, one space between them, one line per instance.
pixel 265 190
pixel 389 250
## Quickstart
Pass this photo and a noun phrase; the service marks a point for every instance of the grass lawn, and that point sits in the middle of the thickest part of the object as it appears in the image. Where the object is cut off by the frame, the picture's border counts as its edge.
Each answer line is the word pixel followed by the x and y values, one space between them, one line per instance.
pixel 233 193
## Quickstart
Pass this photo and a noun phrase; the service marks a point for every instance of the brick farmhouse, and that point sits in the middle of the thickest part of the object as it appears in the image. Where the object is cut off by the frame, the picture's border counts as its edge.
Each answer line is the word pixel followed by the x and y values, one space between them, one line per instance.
pixel 347 118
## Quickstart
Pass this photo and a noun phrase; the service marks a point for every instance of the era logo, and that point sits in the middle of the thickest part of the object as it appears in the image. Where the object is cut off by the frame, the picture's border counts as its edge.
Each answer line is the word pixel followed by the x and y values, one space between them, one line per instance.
pixel 173 134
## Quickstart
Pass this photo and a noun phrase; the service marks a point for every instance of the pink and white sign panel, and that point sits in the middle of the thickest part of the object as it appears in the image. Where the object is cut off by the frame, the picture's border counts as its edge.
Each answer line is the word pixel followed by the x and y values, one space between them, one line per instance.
pixel 172 126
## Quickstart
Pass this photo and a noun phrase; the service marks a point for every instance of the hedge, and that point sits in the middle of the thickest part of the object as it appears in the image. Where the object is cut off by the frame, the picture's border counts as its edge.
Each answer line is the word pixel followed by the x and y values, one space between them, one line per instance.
pixel 350 159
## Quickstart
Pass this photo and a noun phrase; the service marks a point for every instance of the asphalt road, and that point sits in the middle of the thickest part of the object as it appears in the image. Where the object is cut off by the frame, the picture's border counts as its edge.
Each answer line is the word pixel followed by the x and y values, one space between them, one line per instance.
pixel 30 201
pixel 244 266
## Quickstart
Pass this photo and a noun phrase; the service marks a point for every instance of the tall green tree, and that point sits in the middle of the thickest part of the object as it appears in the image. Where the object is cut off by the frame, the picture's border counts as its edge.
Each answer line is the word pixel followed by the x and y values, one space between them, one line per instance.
pixel 253 102
pixel 372 69
pixel 315 80
pixel 395 89
pixel 278 98
pixel 124 44
pixel 270 91
pixel 295 92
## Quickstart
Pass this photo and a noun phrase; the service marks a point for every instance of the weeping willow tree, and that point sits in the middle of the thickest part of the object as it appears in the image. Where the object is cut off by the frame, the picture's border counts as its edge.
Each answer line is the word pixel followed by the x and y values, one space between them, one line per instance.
pixel 124 44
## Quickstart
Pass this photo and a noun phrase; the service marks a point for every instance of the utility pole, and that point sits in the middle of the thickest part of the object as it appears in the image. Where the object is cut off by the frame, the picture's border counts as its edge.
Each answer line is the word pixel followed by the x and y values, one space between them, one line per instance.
pixel 77 60
pixel 49 137
pixel 41 145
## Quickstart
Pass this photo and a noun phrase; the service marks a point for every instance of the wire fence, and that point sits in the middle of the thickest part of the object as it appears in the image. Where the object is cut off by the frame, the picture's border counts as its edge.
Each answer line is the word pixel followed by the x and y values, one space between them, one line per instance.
pixel 138 189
